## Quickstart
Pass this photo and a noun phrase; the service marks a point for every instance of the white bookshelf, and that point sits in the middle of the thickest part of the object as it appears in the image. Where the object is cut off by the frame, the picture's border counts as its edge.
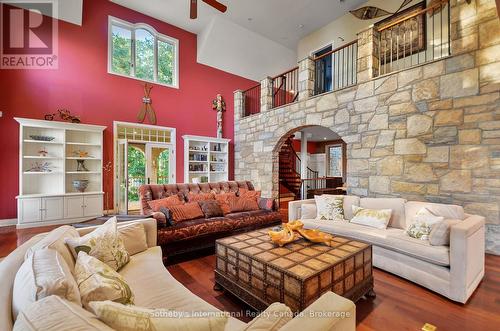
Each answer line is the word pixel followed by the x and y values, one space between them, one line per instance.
pixel 48 196
pixel 206 159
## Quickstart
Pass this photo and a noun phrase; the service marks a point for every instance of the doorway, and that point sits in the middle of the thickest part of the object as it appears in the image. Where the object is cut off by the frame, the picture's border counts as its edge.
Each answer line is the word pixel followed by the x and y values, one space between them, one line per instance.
pixel 324 71
pixel 144 155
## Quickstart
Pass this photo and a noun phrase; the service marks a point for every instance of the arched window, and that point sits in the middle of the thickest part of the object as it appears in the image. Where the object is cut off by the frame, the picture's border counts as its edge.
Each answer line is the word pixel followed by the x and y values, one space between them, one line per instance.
pixel 139 51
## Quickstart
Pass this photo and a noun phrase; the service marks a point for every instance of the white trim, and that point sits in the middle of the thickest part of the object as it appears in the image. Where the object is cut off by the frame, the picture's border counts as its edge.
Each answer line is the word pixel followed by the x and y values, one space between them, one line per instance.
pixel 157 37
pixel 8 222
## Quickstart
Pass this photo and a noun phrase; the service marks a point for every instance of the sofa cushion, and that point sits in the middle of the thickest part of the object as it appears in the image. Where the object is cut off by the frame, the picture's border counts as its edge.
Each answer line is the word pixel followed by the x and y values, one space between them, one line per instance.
pixel 397 206
pixel 186 212
pixel 438 209
pixel 55 314
pixel 171 201
pixel 44 273
pixel 272 319
pixel 133 236
pixel 390 238
pixel 55 239
pixel 375 218
pixel 246 201
pixel 193 228
pixel 195 197
pixel 349 201
pixel 155 287
pixel 254 218
pixel 440 233
pixel 329 207
pixel 225 200
pixel 211 208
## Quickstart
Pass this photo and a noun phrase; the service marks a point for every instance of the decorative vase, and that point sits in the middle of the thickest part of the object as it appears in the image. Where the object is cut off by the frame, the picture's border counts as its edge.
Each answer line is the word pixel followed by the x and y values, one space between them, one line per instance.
pixel 80 165
pixel 81 185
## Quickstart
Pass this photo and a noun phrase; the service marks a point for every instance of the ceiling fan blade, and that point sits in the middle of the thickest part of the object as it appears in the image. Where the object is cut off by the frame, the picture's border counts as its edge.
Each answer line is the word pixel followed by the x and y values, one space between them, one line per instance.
pixel 193 12
pixel 216 4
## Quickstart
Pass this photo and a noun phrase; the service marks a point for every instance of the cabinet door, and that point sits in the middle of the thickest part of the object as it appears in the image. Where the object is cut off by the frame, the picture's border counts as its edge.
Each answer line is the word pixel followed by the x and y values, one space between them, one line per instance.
pixel 52 208
pixel 29 210
pixel 73 206
pixel 92 205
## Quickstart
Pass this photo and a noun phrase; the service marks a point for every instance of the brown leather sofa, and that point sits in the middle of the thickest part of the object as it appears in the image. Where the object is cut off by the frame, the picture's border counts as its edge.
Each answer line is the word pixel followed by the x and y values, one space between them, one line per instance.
pixel 201 233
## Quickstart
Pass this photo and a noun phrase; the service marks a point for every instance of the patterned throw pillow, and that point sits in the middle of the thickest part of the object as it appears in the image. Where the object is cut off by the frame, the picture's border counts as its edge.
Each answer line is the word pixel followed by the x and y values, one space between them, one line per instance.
pixel 133 318
pixel 375 218
pixel 329 207
pixel 225 200
pixel 425 216
pixel 247 201
pixel 195 197
pixel 424 221
pixel 186 212
pixel 211 208
pixel 171 201
pixel 98 282
pixel 419 230
pixel 104 243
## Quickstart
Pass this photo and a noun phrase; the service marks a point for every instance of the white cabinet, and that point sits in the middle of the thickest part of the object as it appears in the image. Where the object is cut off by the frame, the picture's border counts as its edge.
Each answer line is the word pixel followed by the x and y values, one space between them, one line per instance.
pixel 52 208
pixel 52 156
pixel 29 210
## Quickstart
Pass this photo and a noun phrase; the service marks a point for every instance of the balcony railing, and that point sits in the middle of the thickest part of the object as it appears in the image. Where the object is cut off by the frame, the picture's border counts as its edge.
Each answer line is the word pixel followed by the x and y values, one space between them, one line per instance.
pixel 414 39
pixel 251 101
pixel 336 69
pixel 285 87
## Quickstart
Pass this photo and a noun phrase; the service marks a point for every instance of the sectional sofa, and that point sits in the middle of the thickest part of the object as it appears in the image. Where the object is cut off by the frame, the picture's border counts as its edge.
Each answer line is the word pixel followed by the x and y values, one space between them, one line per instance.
pixel 154 287
pixel 453 271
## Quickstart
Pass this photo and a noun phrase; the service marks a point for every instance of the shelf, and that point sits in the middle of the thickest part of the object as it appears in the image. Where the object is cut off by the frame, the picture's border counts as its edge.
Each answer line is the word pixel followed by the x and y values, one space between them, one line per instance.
pixel 218 162
pixel 42 157
pixel 215 152
pixel 198 172
pixel 42 142
pixel 83 144
pixel 193 161
pixel 82 172
pixel 43 195
pixel 41 172
pixel 82 158
pixel 218 172
pixel 195 151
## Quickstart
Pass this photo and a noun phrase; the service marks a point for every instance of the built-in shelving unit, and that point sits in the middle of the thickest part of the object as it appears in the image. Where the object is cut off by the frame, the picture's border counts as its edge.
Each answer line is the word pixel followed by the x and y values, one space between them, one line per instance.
pixel 49 167
pixel 206 159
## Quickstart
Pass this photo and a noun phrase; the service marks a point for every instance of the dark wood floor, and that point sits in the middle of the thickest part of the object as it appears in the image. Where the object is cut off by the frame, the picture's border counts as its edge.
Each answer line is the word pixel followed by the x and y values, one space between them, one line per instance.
pixel 399 305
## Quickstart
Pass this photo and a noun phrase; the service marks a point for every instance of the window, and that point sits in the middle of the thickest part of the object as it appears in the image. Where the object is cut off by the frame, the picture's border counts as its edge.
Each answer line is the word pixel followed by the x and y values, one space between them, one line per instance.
pixel 138 51
pixel 334 160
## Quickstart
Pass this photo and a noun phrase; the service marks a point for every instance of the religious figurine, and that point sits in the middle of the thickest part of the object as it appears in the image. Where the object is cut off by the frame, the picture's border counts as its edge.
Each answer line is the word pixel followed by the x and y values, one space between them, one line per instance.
pixel 220 106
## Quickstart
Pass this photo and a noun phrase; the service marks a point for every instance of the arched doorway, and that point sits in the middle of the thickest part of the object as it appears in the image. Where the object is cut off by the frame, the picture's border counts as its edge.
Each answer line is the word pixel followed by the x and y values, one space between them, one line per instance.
pixel 324 170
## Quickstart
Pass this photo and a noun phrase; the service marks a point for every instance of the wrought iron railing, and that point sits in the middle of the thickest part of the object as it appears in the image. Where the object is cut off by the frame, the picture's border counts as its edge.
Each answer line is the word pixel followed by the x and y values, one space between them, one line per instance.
pixel 318 185
pixel 419 37
pixel 251 101
pixel 285 87
pixel 336 69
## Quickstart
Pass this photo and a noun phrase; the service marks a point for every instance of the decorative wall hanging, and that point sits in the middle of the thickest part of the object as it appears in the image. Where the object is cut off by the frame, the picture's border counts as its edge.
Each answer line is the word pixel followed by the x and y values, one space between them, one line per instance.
pixel 220 106
pixel 147 107
pixel 405 38
pixel 64 115
pixel 370 12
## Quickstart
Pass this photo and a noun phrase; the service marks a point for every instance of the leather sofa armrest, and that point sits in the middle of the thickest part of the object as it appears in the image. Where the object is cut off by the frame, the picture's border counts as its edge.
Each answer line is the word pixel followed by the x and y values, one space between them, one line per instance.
pixel 294 208
pixel 267 204
pixel 329 312
pixel 467 249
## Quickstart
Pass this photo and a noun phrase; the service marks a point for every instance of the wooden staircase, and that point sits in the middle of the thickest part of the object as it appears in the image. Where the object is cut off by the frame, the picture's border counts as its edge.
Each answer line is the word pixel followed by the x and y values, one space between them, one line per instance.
pixel 289 172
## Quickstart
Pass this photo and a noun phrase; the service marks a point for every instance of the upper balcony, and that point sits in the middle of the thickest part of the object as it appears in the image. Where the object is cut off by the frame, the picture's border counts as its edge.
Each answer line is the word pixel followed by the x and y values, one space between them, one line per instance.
pixel 398 43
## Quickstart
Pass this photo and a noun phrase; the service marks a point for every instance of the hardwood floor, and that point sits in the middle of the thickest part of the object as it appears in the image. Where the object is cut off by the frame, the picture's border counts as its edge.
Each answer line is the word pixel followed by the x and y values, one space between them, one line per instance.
pixel 399 305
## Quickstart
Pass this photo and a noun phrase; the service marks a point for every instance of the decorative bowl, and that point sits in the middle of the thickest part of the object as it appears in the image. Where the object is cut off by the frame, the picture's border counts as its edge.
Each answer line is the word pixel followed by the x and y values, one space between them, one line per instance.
pixel 81 185
pixel 315 236
pixel 42 138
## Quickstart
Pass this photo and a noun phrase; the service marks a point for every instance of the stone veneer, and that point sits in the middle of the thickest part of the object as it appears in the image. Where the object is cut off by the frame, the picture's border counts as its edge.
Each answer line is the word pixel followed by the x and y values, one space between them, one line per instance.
pixel 429 133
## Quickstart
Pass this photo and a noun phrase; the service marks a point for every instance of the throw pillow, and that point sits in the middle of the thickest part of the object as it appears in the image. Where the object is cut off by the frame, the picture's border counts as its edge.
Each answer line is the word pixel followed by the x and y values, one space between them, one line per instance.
pixel 425 216
pixel 133 318
pixel 171 201
pixel 44 273
pixel 55 313
pixel 186 212
pixel 308 212
pixel 195 197
pixel 99 282
pixel 134 237
pixel 247 201
pixel 211 208
pixel 225 200
pixel 440 233
pixel 330 207
pixel 271 319
pixel 375 218
pixel 104 243
pixel 56 239
pixel 419 230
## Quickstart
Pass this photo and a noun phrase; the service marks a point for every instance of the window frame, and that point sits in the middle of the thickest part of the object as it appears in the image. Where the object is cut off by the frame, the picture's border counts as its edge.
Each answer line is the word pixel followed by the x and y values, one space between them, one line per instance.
pixel 328 159
pixel 113 21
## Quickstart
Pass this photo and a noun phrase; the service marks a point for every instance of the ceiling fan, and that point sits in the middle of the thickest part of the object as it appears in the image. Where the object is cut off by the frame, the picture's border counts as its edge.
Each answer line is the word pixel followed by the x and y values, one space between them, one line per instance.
pixel 214 3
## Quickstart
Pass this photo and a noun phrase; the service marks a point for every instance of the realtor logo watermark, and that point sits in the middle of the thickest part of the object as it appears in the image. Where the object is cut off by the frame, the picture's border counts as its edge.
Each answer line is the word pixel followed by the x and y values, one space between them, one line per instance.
pixel 28 34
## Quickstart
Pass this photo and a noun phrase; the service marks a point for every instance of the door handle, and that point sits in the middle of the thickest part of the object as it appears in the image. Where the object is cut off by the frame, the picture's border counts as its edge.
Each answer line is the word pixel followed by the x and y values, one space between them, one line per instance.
pixel 149 180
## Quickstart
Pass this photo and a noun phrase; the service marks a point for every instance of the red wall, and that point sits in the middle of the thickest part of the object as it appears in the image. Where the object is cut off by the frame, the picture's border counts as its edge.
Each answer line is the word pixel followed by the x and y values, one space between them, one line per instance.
pixel 82 85
pixel 311 146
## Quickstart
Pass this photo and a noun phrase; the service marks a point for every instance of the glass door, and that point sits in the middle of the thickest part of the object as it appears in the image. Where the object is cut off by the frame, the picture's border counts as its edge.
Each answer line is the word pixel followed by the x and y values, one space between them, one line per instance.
pixel 323 82
pixel 160 164
pixel 122 177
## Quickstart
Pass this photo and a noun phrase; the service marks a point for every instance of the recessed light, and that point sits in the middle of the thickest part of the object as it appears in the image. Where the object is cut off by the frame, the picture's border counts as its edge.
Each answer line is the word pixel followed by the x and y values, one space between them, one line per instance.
pixel 324 138
pixel 301 26
pixel 250 19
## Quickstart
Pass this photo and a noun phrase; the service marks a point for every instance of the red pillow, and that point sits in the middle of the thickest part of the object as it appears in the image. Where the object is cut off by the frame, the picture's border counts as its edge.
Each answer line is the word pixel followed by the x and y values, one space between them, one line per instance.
pixel 225 200
pixel 171 201
pixel 186 212
pixel 195 197
pixel 247 201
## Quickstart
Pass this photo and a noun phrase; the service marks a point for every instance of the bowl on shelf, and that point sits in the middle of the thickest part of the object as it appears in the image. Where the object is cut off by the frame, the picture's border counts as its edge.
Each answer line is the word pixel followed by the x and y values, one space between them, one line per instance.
pixel 81 185
pixel 42 138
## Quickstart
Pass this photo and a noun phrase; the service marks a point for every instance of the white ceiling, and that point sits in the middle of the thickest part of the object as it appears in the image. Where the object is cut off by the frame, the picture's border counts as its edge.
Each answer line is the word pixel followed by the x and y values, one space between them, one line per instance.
pixel 273 31
pixel 317 133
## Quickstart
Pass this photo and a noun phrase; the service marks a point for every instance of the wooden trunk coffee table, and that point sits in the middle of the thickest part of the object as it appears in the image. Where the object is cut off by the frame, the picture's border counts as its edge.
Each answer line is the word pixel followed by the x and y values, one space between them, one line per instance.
pixel 259 272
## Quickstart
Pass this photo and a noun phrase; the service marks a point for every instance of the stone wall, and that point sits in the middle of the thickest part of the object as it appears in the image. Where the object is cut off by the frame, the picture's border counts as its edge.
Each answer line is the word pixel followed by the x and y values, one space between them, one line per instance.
pixel 430 133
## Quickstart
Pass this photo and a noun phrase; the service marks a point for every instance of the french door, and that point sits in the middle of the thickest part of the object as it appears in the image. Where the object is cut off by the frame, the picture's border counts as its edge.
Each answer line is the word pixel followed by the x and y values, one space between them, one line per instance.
pixel 159 164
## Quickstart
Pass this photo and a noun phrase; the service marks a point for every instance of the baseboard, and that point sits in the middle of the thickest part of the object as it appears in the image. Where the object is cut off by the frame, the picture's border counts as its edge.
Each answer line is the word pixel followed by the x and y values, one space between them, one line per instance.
pixel 8 222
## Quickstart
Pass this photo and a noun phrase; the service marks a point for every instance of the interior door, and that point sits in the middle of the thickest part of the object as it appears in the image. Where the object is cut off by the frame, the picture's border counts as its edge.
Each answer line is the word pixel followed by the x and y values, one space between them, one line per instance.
pixel 122 177
pixel 160 164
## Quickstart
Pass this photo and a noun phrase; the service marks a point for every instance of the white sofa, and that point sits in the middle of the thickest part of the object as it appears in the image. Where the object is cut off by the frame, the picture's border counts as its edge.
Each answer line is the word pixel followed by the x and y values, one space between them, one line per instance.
pixel 453 271
pixel 154 287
